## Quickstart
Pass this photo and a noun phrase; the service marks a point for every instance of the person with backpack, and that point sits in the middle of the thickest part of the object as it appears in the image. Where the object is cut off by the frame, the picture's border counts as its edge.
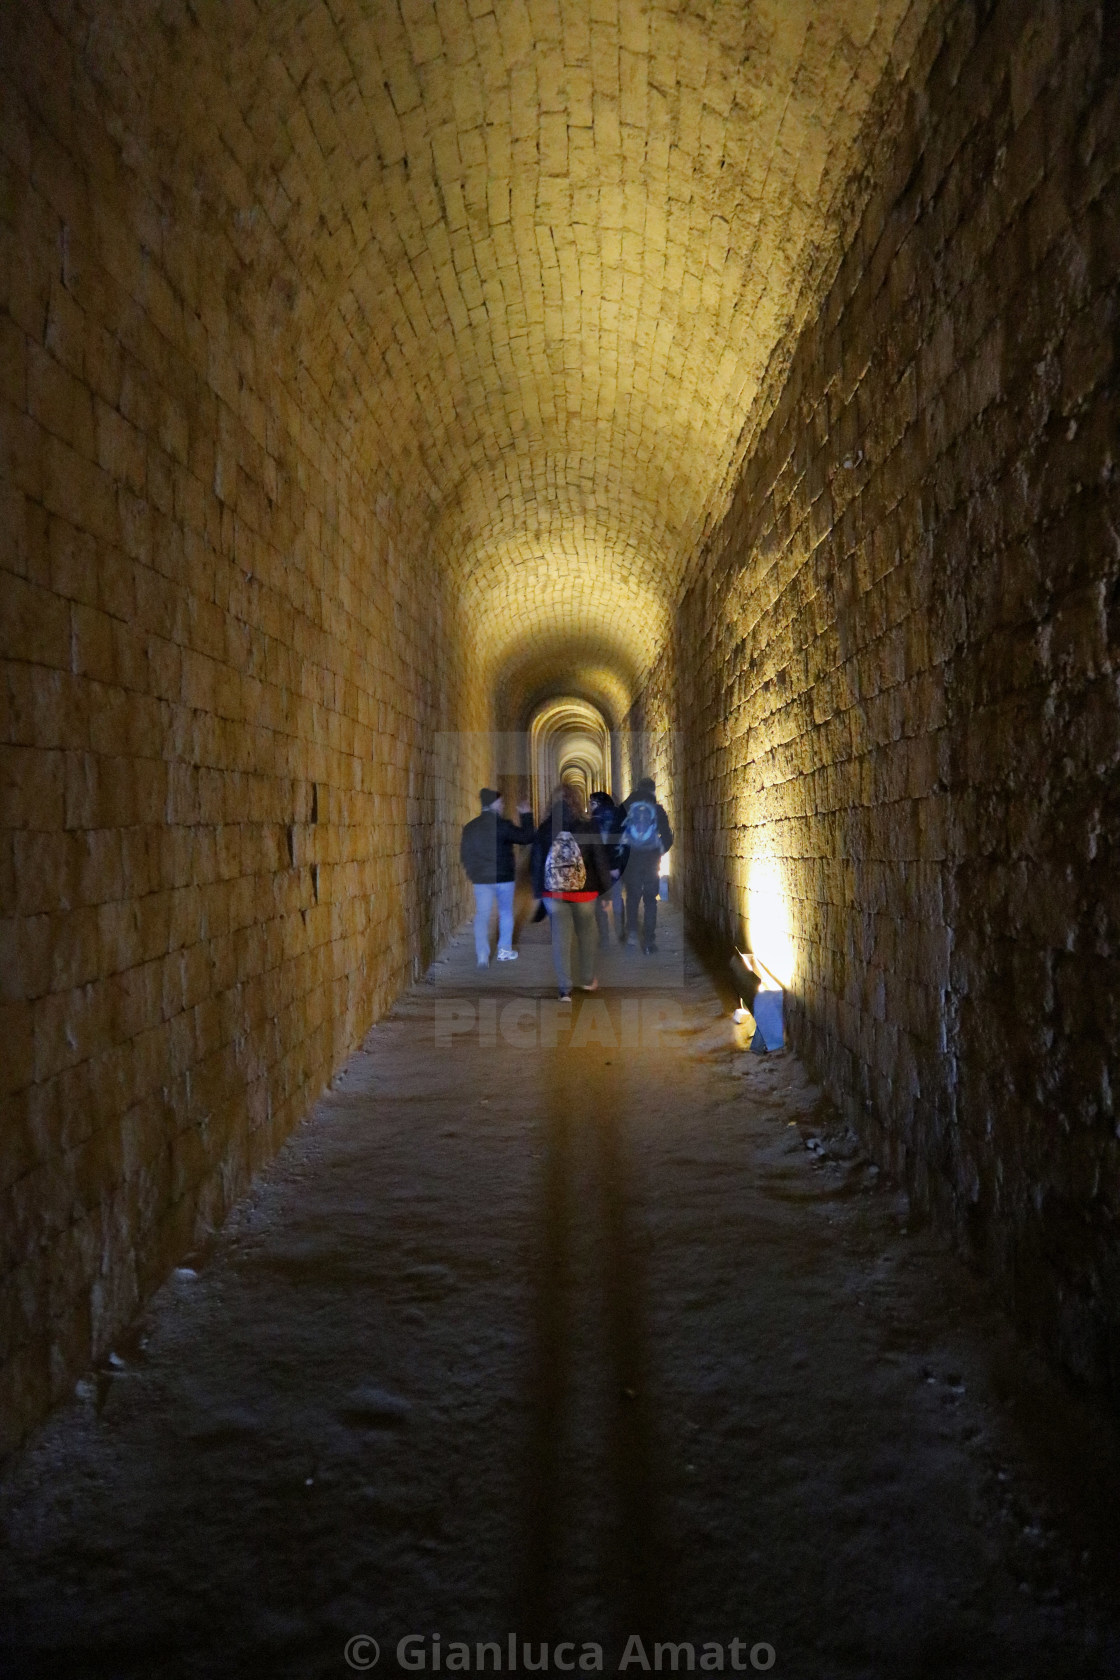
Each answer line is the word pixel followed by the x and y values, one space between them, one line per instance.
pixel 647 835
pixel 604 813
pixel 486 853
pixel 570 870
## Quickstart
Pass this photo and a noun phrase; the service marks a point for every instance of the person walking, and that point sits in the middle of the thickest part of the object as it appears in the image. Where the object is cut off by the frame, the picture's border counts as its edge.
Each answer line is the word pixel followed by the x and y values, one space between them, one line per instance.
pixel 647 835
pixel 486 853
pixel 604 813
pixel 570 870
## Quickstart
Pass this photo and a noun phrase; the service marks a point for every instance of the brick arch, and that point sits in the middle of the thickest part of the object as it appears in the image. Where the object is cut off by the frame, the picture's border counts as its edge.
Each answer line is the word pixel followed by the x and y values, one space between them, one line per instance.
pixel 535 262
pixel 568 730
pixel 554 663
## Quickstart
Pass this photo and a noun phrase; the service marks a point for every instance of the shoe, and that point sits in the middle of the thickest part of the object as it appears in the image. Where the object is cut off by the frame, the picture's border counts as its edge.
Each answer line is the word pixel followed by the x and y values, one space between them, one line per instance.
pixel 630 940
pixel 651 947
pixel 565 997
pixel 594 986
pixel 508 956
pixel 483 962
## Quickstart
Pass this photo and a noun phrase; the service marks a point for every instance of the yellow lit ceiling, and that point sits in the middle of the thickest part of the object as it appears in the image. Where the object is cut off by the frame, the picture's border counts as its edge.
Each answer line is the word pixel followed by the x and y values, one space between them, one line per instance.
pixel 539 254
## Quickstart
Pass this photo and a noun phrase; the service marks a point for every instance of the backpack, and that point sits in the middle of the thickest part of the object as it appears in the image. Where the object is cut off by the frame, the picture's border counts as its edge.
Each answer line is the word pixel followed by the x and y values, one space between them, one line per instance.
pixel 564 868
pixel 640 831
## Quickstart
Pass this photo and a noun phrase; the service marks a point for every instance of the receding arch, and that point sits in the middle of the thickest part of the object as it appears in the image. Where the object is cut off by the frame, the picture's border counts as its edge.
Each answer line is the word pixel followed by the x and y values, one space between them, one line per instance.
pixel 590 667
pixel 569 738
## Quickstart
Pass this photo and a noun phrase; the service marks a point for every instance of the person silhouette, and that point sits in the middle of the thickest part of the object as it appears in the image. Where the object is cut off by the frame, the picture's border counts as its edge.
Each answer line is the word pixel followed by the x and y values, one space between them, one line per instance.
pixel 647 835
pixel 486 853
pixel 570 870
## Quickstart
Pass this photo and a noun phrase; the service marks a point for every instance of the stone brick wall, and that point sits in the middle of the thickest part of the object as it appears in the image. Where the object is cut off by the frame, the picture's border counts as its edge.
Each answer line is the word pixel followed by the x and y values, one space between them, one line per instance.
pixel 225 662
pixel 347 408
pixel 896 660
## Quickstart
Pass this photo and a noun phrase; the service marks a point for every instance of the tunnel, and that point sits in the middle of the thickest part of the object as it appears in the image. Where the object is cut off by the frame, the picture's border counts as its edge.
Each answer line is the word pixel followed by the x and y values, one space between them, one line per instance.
pixel 408 398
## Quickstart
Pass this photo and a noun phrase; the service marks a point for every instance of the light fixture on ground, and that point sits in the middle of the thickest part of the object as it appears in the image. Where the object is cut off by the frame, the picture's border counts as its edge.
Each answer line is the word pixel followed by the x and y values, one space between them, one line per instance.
pixel 761 999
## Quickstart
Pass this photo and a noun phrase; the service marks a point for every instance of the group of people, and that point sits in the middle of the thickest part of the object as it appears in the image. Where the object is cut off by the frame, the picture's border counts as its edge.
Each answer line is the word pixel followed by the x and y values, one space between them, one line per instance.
pixel 584 858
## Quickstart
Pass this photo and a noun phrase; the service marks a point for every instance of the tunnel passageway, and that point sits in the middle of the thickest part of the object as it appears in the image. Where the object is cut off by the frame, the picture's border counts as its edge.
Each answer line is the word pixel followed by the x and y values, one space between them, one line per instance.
pixel 574 1339
pixel 725 390
pixel 406 405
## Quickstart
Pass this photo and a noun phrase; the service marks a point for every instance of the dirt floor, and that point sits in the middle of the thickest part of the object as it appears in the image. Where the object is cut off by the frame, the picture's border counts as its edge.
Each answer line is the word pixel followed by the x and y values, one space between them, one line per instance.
pixel 601 1335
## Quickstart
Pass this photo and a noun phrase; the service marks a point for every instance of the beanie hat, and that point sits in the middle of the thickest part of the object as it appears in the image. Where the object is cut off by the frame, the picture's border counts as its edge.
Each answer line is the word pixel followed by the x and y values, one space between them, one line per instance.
pixel 488 796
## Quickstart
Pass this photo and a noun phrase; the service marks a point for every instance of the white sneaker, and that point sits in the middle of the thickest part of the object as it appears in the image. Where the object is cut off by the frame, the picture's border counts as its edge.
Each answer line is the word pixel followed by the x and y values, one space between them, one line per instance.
pixel 508 956
pixel 483 962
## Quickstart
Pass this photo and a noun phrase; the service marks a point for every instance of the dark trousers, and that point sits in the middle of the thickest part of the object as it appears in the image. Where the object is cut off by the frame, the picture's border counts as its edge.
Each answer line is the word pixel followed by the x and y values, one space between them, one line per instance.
pixel 614 897
pixel 641 880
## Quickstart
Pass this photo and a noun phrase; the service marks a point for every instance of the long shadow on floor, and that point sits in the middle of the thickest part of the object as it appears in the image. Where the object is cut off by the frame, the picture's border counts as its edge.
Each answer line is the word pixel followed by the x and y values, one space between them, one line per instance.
pixel 582 1128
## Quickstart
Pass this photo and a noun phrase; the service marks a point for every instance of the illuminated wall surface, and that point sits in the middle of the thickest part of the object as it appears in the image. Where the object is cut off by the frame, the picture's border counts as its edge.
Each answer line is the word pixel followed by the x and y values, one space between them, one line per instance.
pixel 894 664
pixel 374 379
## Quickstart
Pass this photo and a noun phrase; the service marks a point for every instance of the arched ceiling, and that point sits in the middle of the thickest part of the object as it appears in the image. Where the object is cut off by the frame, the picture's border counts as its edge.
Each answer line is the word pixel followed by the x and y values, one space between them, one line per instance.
pixel 568 733
pixel 545 250
pixel 568 663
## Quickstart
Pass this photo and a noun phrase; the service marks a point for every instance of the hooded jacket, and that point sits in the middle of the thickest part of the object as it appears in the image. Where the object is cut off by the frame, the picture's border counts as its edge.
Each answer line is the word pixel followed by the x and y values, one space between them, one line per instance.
pixel 608 820
pixel 664 831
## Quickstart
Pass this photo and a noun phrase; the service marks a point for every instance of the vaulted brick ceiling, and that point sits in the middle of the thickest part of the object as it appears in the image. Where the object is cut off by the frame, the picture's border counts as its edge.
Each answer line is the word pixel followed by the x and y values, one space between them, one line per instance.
pixel 539 253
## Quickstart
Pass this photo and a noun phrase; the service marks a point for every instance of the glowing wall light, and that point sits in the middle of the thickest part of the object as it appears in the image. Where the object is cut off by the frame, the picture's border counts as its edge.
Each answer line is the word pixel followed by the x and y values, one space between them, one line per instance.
pixel 768 918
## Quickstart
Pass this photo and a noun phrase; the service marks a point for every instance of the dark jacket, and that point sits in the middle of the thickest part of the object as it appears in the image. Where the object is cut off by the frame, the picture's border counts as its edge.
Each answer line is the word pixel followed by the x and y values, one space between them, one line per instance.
pixel 609 823
pixel 665 833
pixel 486 849
pixel 586 836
